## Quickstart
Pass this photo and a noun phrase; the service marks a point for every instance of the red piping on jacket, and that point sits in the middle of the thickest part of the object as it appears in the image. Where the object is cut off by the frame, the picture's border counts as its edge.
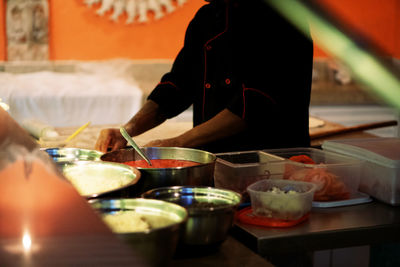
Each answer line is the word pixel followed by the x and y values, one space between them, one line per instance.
pixel 257 91
pixel 168 82
pixel 205 57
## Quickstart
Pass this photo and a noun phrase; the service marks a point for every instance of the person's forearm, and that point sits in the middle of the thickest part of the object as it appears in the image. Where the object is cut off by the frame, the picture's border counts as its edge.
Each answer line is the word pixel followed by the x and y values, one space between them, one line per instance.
pixel 224 124
pixel 147 118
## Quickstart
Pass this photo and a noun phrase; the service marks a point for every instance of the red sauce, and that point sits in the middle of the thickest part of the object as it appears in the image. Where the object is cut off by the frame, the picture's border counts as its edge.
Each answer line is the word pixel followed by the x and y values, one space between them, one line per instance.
pixel 162 163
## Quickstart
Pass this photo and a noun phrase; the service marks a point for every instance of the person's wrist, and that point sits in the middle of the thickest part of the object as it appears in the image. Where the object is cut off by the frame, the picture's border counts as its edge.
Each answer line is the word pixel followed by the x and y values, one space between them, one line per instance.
pixel 186 139
pixel 129 128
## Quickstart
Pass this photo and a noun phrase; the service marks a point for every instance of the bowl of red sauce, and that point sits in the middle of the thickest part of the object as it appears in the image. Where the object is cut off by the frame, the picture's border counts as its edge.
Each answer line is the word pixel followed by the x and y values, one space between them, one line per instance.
pixel 171 166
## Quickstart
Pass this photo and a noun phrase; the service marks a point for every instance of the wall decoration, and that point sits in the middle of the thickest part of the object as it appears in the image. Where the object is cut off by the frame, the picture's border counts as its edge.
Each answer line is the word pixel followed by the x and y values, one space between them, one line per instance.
pixel 137 11
pixel 27 30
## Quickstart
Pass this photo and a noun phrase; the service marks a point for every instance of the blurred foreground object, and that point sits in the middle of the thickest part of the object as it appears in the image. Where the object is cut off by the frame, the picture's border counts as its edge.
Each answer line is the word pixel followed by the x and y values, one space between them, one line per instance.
pixel 12 133
pixel 38 128
pixel 361 60
pixel 44 221
pixel 4 105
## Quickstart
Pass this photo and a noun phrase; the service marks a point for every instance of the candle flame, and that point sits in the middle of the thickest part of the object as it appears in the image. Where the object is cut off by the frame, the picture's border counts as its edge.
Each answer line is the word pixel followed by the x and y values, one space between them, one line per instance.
pixel 26 241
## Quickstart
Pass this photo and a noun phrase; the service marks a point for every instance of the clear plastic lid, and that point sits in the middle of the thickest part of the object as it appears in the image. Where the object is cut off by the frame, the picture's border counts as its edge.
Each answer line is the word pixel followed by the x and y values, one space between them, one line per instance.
pixel 382 151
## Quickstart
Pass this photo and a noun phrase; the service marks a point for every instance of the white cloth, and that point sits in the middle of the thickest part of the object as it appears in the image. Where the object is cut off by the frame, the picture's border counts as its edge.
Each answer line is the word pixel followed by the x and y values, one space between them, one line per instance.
pixel 70 99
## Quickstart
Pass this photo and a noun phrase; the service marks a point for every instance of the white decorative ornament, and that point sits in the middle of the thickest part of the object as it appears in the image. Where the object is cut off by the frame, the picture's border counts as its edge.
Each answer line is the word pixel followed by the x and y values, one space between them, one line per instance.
pixel 105 6
pixel 91 2
pixel 130 9
pixel 136 10
pixel 118 6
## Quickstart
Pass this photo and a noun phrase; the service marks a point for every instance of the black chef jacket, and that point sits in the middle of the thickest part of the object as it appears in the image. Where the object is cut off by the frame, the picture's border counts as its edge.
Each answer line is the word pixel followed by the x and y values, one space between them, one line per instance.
pixel 244 57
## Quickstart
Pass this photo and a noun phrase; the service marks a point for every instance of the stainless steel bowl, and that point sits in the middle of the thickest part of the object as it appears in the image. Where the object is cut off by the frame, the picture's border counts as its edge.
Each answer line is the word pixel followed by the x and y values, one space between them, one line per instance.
pixel 68 155
pixel 157 245
pixel 199 175
pixel 89 177
pixel 211 211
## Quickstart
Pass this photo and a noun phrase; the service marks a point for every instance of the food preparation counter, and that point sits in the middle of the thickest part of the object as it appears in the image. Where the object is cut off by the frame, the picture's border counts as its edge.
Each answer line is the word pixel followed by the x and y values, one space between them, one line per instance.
pixel 171 128
pixel 327 228
pixel 230 253
pixel 330 130
pixel 372 223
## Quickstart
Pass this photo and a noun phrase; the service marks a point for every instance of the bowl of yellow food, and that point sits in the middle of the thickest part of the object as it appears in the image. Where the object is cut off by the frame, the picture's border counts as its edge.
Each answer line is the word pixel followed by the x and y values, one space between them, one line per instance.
pixel 69 154
pixel 94 179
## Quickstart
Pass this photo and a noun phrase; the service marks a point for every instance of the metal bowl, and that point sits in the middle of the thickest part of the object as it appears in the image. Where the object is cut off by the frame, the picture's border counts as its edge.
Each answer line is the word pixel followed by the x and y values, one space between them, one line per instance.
pixel 89 178
pixel 199 175
pixel 67 155
pixel 211 211
pixel 157 245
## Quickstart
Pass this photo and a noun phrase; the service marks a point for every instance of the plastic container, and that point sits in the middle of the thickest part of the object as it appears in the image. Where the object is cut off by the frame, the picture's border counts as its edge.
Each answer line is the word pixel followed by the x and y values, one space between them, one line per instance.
pixel 281 199
pixel 381 165
pixel 337 176
pixel 237 170
pixel 53 141
pixel 39 129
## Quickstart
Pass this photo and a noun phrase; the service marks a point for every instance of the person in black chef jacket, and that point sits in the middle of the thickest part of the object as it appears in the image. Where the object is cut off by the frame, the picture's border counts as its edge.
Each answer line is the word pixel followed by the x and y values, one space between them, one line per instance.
pixel 246 71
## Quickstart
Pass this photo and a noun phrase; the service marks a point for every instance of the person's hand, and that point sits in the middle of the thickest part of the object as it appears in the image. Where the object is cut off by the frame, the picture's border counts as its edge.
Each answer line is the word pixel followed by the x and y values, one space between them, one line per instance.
pixel 169 142
pixel 110 138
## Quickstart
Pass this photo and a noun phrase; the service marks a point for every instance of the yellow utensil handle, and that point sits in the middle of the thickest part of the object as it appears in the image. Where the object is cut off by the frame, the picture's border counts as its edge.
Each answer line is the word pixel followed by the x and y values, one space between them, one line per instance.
pixel 80 129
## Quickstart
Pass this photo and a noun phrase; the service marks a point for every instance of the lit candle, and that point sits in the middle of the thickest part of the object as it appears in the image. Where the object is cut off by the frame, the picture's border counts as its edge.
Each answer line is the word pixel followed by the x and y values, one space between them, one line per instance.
pixel 24 246
pixel 26 242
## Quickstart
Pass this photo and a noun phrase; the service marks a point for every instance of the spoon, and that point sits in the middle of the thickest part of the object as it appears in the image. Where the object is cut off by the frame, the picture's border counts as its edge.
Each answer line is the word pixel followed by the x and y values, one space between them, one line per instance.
pixel 133 144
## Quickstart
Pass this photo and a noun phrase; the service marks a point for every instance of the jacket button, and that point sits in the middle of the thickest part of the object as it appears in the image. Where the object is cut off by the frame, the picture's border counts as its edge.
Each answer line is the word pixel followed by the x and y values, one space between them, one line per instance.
pixel 207 85
pixel 228 81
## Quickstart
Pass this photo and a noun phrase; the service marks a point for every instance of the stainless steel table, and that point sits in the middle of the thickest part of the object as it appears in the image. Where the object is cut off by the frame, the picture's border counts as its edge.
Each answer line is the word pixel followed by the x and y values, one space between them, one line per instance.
pixel 231 253
pixel 327 228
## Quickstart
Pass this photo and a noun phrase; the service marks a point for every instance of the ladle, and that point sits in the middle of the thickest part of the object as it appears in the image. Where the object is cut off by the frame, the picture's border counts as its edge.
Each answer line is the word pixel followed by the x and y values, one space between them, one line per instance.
pixel 133 144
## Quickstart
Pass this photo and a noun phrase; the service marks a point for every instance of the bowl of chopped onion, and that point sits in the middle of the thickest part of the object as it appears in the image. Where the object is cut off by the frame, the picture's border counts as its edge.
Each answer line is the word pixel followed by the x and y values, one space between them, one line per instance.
pixel 151 227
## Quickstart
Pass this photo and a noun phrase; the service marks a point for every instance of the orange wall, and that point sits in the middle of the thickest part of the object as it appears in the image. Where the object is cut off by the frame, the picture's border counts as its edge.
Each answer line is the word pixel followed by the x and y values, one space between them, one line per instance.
pixel 76 32
pixel 380 20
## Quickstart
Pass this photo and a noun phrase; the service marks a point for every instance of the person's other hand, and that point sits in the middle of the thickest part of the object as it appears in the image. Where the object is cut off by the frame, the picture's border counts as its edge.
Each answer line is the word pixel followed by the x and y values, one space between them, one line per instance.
pixel 110 138
pixel 169 142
